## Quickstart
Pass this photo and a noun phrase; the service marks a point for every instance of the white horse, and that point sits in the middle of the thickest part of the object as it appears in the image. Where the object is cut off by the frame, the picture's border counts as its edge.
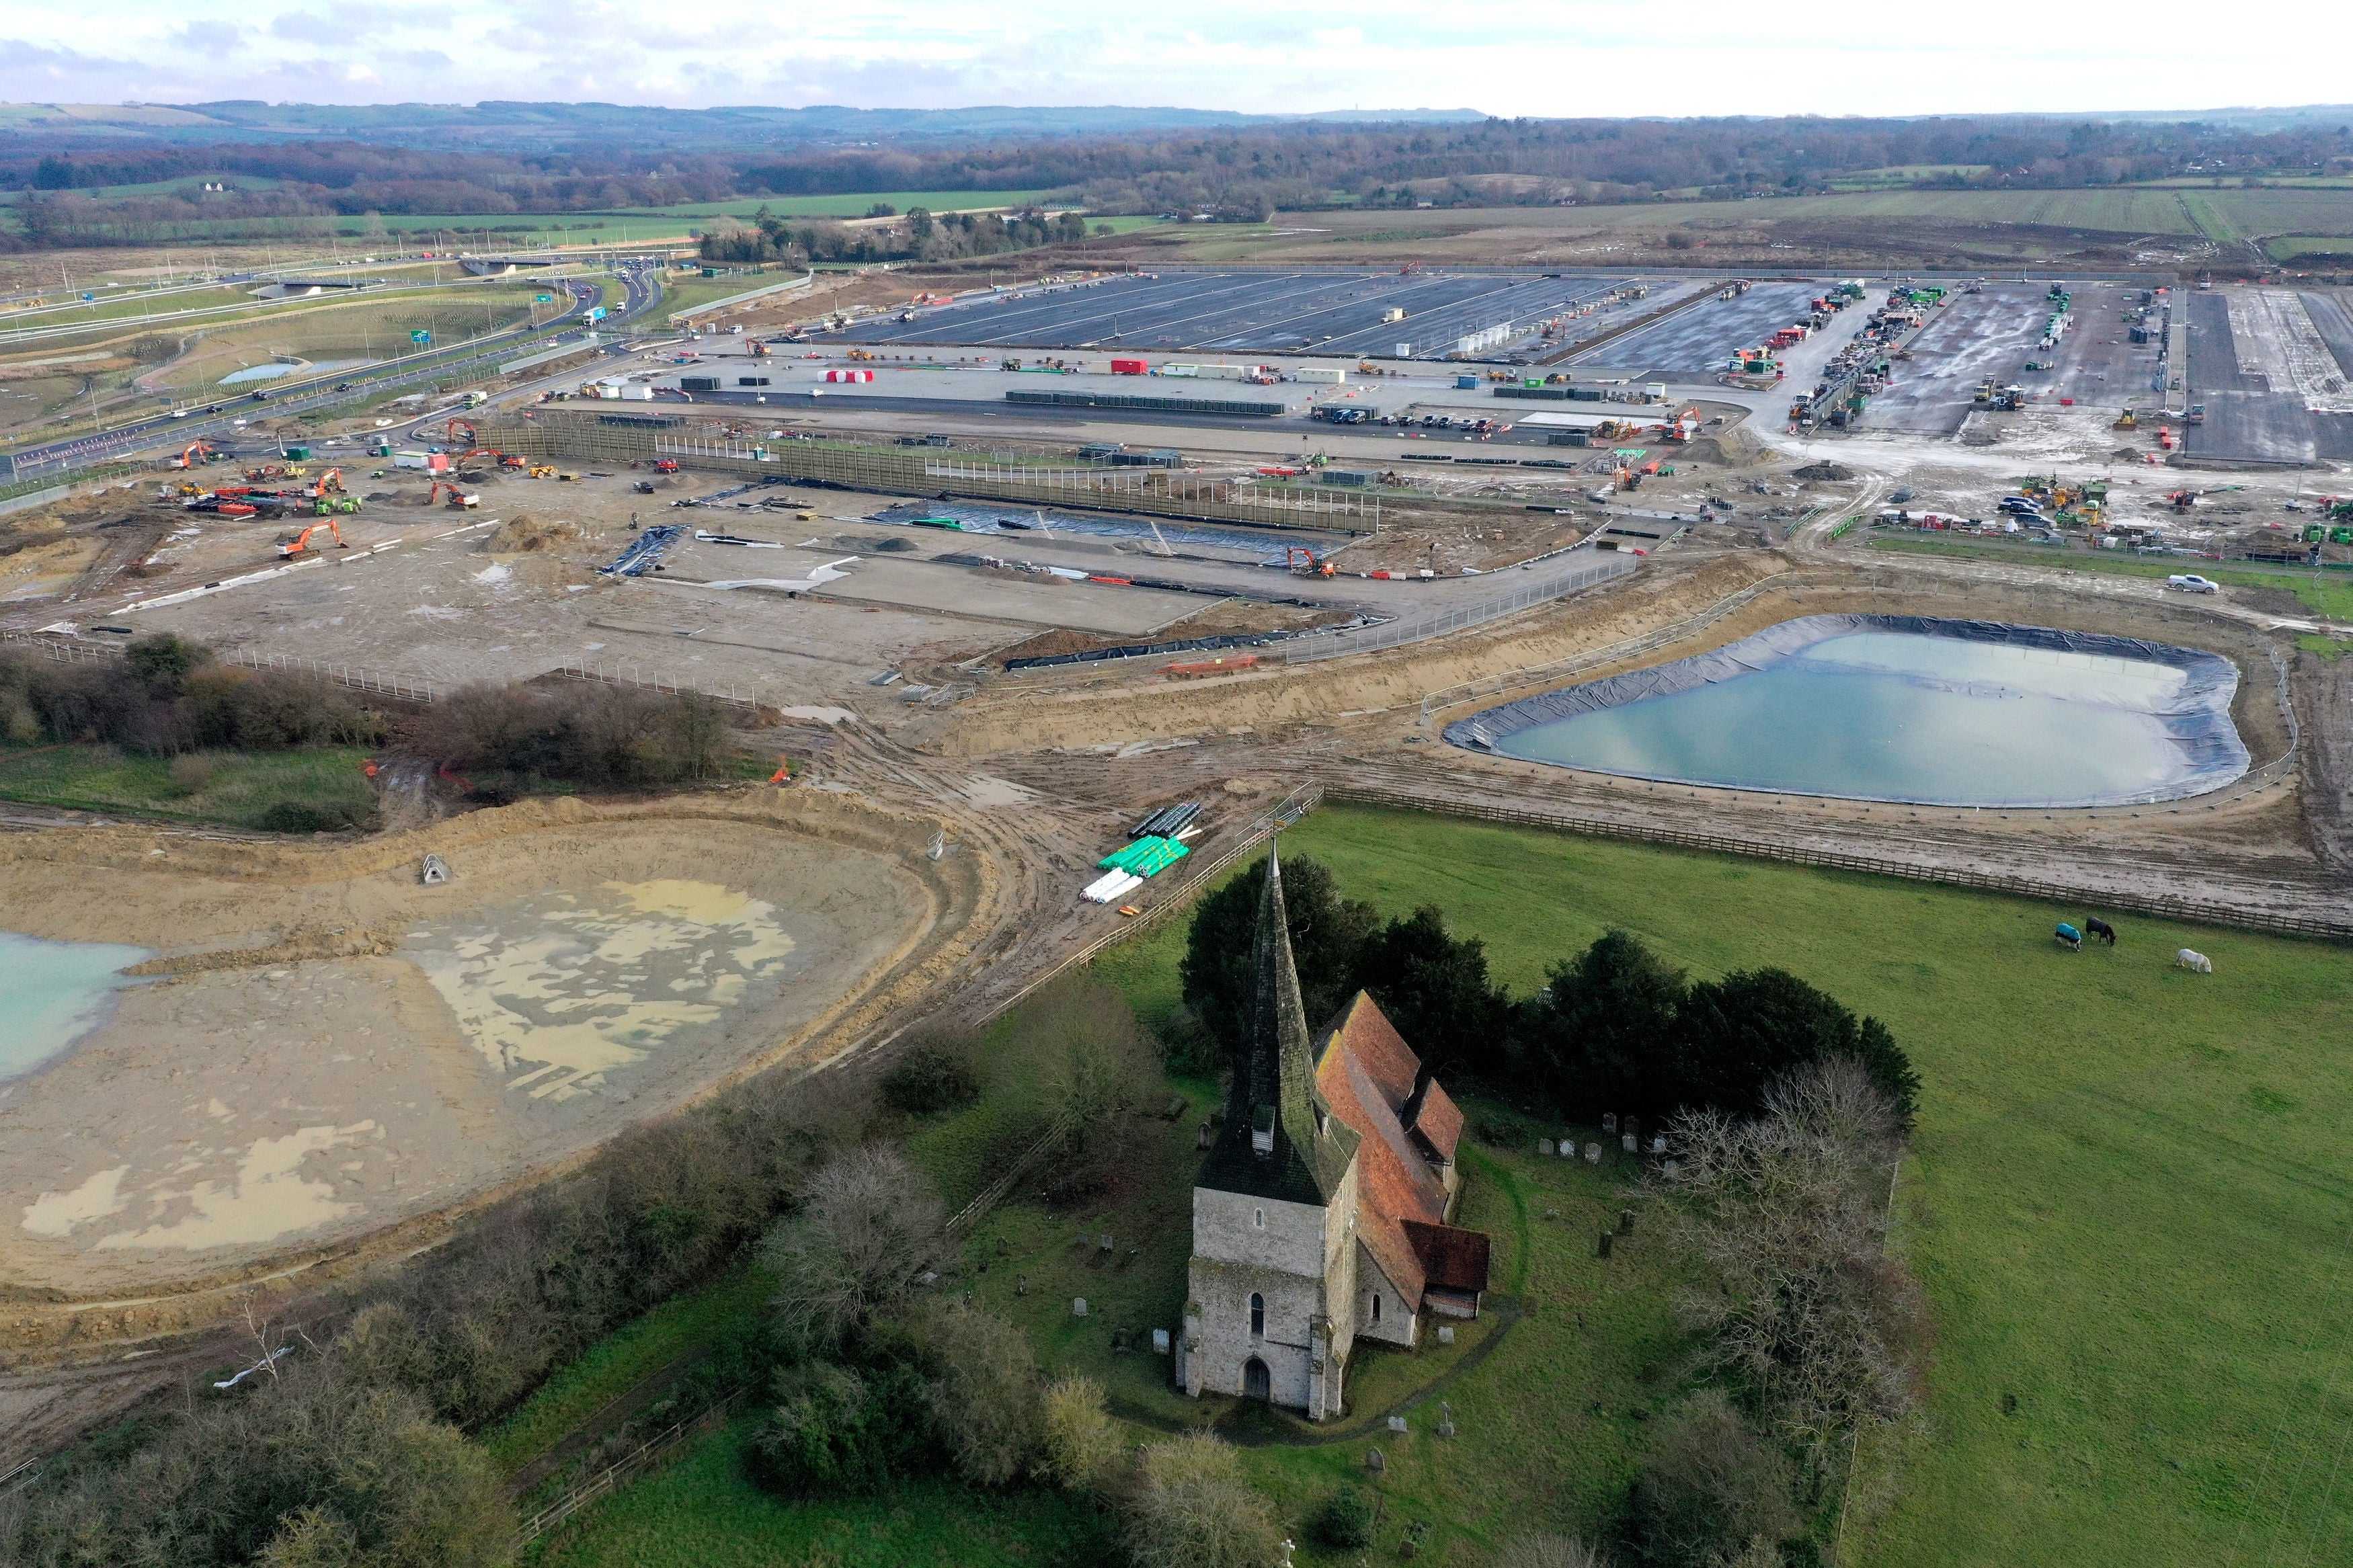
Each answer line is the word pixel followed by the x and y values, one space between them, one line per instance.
pixel 2185 958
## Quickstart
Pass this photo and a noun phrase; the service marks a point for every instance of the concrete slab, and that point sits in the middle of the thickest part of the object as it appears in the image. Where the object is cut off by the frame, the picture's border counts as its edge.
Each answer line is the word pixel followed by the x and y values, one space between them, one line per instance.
pixel 962 591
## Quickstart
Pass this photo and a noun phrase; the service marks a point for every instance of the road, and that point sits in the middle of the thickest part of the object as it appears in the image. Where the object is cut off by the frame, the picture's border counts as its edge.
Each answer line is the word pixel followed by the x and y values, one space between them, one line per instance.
pixel 641 292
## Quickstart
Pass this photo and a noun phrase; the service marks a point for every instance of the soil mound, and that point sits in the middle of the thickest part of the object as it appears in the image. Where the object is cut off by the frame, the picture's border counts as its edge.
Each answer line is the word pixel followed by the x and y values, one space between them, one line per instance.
pixel 1825 472
pixel 522 533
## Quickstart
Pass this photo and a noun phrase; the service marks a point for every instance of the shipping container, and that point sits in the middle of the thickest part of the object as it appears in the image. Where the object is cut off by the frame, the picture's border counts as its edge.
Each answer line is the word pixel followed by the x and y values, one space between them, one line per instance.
pixel 1321 375
pixel 693 383
pixel 1129 367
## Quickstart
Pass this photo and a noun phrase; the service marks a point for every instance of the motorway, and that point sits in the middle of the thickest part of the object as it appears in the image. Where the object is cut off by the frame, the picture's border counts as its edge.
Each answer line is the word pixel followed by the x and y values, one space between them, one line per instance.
pixel 641 292
pixel 1278 313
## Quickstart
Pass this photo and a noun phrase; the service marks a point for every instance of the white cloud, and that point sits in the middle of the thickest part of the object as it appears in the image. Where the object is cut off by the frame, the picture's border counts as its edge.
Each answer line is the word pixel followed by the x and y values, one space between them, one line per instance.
pixel 1554 57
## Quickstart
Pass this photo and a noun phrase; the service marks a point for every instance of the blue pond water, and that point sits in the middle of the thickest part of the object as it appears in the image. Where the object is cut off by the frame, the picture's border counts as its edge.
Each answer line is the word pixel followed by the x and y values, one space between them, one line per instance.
pixel 52 993
pixel 1900 716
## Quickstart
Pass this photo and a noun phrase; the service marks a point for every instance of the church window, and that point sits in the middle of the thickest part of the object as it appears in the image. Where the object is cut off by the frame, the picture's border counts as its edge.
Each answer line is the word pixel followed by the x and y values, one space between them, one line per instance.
pixel 1376 1306
pixel 1258 1219
pixel 1258 1315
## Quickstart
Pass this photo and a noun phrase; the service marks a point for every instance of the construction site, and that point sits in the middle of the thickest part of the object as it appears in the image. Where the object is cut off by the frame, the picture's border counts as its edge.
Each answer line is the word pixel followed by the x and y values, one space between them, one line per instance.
pixel 1036 647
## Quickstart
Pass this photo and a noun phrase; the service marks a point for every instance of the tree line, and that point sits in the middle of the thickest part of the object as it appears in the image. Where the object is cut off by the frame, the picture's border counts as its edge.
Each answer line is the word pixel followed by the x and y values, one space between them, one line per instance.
pixel 170 698
pixel 920 236
pixel 1240 171
pixel 1617 1030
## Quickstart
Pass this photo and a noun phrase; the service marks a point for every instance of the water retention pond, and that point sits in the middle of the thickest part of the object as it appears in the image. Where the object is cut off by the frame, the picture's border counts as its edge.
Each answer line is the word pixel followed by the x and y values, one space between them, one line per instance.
pixel 1900 708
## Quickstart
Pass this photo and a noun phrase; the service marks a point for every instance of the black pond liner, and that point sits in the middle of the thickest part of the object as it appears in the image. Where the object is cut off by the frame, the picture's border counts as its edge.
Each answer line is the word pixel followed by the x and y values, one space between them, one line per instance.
pixel 2198 722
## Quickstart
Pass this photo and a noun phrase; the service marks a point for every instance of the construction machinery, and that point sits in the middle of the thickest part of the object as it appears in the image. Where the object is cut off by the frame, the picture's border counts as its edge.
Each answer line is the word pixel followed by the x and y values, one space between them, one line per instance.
pixel 2182 501
pixel 198 452
pixel 301 544
pixel 543 471
pixel 460 501
pixel 509 460
pixel 449 437
pixel 665 465
pixel 331 480
pixel 2127 420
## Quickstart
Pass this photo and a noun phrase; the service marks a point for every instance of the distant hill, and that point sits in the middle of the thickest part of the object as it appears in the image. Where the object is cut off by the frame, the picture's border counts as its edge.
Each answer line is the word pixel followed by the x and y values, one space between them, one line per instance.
pixel 512 125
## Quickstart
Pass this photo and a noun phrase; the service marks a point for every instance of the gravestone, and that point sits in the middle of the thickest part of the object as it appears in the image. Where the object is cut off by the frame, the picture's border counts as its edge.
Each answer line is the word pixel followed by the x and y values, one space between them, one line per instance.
pixel 1627 1143
pixel 1544 1146
pixel 1396 1424
pixel 1568 1148
pixel 1632 1127
pixel 1606 1239
pixel 1021 1284
pixel 1625 1222
pixel 1610 1121
pixel 1445 1419
pixel 1203 1139
pixel 1552 1213
pixel 1106 1241
pixel 1658 1143
pixel 1374 1462
pixel 1671 1166
pixel 1446 1333
pixel 1593 1154
pixel 1160 1341
pixel 1078 1306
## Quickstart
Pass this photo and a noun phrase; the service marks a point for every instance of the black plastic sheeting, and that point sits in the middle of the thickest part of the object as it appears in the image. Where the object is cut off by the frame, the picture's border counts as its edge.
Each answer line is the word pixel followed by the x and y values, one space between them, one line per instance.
pixel 2198 723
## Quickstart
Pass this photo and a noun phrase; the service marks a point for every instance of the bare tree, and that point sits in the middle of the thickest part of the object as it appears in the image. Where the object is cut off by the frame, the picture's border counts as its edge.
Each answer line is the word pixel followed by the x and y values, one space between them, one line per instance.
pixel 1080 1451
pixel 867 1227
pixel 1193 1508
pixel 985 1401
pixel 1550 1551
pixel 1787 1217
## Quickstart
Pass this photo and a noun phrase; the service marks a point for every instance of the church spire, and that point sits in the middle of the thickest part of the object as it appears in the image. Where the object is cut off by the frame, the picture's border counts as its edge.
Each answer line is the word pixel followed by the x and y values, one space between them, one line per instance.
pixel 1275 1096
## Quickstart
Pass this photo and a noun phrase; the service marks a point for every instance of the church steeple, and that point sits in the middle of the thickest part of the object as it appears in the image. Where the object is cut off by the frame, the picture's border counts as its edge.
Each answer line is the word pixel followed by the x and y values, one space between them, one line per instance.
pixel 1280 1138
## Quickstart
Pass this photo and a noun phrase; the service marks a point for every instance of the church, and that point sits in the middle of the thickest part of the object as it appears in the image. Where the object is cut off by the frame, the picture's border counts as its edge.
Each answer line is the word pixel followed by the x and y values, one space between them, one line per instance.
pixel 1321 1215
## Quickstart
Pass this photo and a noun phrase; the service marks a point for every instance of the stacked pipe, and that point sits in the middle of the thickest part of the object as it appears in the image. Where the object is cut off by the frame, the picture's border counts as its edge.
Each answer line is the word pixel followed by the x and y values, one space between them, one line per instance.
pixel 1167 821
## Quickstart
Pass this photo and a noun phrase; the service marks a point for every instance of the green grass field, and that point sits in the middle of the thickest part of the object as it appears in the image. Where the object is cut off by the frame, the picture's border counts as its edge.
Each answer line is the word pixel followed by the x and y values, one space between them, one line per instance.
pixel 242 787
pixel 2126 1199
pixel 2326 594
pixel 620 1360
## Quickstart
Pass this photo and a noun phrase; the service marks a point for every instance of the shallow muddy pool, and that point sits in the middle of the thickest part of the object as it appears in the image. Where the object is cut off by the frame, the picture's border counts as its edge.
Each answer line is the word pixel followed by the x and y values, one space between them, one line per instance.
pixel 53 993
pixel 1900 708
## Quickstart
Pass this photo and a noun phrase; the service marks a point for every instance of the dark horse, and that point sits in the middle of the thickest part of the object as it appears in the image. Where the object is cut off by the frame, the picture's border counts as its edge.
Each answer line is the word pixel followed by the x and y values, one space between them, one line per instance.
pixel 2099 930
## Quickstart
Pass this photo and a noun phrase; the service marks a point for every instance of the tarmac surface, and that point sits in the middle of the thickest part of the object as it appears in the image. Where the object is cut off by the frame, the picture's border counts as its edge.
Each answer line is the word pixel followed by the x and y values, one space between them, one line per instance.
pixel 2246 420
pixel 1702 337
pixel 1280 312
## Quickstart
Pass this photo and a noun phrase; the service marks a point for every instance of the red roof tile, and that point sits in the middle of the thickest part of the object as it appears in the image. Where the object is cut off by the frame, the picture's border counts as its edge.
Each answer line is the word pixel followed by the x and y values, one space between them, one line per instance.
pixel 1439 1121
pixel 1451 1257
pixel 1366 1073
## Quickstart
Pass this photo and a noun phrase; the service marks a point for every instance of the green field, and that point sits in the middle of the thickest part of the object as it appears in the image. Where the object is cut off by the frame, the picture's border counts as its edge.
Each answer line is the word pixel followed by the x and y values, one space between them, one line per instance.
pixel 2326 594
pixel 242 786
pixel 2126 1199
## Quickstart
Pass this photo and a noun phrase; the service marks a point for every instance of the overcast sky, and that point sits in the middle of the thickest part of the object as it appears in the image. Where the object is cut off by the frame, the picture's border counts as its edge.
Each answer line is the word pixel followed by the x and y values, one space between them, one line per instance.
pixel 1550 57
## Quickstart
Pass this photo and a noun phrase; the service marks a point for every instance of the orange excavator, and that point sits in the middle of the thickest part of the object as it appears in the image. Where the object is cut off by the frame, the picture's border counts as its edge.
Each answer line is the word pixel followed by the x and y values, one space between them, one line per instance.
pixel 460 501
pixel 198 452
pixel 473 436
pixel 332 479
pixel 301 544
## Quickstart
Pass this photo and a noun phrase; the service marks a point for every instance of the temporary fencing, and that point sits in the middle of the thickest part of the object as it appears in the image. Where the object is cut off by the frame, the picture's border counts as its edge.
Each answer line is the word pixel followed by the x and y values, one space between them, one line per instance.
pixel 1590 567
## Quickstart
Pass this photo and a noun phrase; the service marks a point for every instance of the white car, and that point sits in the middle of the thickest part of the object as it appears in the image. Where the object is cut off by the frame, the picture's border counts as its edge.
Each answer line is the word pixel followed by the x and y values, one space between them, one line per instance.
pixel 2190 582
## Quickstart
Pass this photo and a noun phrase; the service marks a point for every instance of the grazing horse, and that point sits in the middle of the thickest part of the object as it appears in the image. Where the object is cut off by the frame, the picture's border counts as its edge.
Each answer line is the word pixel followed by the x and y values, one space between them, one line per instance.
pixel 2095 927
pixel 2069 937
pixel 2186 958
